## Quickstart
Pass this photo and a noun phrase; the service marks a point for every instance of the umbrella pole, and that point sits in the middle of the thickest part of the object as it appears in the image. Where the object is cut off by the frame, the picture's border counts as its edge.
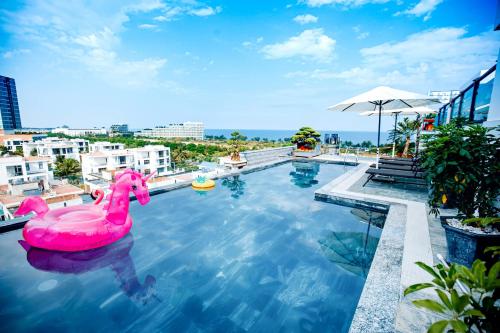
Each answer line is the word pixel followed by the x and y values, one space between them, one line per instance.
pixel 394 138
pixel 378 134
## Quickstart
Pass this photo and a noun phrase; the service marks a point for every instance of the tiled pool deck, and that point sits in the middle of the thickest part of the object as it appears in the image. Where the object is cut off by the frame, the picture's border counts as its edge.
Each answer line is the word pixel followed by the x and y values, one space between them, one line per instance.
pixel 410 234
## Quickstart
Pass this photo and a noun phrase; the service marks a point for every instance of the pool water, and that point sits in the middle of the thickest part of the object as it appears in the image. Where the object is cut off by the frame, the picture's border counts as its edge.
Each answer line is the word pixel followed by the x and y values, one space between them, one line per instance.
pixel 257 254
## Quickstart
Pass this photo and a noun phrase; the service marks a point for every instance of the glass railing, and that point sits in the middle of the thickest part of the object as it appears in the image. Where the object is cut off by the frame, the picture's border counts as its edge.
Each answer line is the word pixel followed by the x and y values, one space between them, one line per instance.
pixel 473 103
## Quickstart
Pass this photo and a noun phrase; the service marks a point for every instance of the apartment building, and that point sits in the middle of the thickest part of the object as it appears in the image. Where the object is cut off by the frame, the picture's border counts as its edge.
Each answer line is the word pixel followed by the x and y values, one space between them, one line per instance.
pixel 23 173
pixel 105 146
pixel 54 147
pixel 104 163
pixel 194 130
pixel 152 158
pixel 80 131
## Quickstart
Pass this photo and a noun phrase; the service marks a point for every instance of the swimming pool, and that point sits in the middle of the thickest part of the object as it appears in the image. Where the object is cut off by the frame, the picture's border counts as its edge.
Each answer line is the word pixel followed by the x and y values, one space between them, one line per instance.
pixel 257 253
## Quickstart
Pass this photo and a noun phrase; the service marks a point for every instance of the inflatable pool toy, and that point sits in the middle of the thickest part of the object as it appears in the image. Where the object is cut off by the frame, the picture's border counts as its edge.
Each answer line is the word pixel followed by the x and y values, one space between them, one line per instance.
pixel 85 227
pixel 202 183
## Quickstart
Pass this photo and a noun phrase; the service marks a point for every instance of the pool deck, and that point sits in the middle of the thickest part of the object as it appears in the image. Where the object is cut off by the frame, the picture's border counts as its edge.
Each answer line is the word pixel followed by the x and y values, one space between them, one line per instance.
pixel 410 234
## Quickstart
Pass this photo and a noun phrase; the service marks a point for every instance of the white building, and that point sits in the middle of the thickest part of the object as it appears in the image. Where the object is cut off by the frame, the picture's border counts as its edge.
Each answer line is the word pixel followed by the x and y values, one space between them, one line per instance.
pixel 104 163
pixel 152 158
pixel 15 143
pixel 23 173
pixel 445 96
pixel 105 146
pixel 80 131
pixel 195 130
pixel 54 147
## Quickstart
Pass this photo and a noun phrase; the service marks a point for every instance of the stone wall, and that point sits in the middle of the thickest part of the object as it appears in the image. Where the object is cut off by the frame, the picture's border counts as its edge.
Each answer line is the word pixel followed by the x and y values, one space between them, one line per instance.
pixel 265 155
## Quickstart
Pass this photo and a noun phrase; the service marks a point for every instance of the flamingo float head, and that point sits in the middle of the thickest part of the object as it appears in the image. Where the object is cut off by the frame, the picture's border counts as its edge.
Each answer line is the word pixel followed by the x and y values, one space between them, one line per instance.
pixel 138 184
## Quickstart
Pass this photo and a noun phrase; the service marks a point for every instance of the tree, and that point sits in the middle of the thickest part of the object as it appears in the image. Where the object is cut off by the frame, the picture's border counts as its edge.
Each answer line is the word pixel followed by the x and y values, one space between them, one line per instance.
pixel 403 132
pixel 235 143
pixel 34 152
pixel 65 167
pixel 306 138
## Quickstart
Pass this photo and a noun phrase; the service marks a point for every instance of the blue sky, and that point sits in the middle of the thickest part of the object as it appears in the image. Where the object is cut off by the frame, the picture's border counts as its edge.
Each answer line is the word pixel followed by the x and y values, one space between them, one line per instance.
pixel 234 63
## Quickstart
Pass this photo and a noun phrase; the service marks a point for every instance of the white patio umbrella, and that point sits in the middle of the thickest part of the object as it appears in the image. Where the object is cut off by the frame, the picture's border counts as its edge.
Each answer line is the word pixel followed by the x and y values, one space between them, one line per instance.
pixel 418 111
pixel 383 98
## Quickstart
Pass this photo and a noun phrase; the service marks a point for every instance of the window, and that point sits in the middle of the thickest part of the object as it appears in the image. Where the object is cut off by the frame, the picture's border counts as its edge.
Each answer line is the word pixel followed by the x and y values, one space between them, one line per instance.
pixel 40 165
pixel 161 170
pixel 455 108
pixel 482 105
pixel 466 103
pixel 146 162
pixel 161 153
pixel 122 159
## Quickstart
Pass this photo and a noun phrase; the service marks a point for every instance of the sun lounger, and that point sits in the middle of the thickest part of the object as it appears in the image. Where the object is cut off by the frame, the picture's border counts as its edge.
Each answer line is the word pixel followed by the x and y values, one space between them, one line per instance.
pixel 396 166
pixel 395 176
pixel 397 162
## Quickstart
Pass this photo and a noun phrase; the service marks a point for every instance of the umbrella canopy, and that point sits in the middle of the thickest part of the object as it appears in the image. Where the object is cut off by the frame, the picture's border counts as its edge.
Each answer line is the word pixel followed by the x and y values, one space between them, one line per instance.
pixel 383 98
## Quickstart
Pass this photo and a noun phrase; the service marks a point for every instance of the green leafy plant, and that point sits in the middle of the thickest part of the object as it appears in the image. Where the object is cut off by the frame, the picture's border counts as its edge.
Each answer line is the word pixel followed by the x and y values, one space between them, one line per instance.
pixel 462 165
pixel 66 167
pixel 483 222
pixel 473 308
pixel 306 138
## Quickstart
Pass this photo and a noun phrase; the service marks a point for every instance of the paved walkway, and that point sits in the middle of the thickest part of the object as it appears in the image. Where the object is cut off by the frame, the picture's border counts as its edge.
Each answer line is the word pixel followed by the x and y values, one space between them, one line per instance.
pixel 382 307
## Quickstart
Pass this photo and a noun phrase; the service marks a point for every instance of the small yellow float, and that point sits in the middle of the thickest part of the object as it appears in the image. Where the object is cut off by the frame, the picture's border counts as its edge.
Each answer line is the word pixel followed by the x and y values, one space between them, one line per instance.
pixel 201 183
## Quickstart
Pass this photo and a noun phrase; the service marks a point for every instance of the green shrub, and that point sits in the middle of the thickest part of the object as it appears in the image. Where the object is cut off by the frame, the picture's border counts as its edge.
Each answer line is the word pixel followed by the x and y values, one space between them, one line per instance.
pixel 462 165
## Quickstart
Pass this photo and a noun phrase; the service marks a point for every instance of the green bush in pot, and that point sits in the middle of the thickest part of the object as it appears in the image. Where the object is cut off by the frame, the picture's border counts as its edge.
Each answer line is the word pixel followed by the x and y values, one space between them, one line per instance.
pixel 462 164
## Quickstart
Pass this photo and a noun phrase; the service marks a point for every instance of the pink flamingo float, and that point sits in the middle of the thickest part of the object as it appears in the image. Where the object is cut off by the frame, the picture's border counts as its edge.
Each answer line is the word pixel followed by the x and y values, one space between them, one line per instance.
pixel 85 227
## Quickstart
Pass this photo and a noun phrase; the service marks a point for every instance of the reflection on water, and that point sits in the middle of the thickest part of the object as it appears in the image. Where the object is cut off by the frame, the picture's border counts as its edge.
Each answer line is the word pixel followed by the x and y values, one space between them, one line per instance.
pixel 354 251
pixel 304 174
pixel 235 185
pixel 115 256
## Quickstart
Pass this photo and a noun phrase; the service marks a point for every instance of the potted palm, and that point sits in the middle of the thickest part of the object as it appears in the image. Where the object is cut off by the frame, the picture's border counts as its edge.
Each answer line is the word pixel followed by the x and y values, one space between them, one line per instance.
pixel 462 165
pixel 307 140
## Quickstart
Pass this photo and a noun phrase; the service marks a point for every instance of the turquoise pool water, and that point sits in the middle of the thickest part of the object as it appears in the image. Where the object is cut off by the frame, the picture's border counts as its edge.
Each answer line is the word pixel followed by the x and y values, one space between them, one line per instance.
pixel 256 254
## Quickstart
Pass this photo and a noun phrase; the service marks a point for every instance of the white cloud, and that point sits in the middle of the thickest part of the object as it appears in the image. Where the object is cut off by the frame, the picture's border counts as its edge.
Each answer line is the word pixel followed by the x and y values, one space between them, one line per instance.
pixel 423 8
pixel 345 3
pixel 305 19
pixel 12 53
pixel 359 33
pixel 249 44
pixel 146 26
pixel 310 44
pixel 207 11
pixel 90 38
pixel 442 58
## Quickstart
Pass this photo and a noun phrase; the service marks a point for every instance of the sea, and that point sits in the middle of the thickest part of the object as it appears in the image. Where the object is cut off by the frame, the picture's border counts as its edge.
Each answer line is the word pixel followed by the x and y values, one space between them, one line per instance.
pixel 353 136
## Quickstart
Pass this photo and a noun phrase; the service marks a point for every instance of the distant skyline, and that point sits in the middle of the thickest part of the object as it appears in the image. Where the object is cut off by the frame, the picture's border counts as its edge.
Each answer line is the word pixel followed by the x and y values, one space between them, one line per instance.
pixel 234 64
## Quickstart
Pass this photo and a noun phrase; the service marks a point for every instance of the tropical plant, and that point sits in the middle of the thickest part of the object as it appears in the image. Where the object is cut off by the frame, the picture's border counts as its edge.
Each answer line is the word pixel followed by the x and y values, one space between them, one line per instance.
pixel 473 308
pixel 33 152
pixel 306 138
pixel 235 142
pixel 66 167
pixel 404 131
pixel 463 166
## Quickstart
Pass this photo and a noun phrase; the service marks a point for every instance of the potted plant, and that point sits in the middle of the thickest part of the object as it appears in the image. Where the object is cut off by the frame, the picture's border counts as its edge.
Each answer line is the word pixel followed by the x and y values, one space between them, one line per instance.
pixel 462 165
pixel 307 140
pixel 466 297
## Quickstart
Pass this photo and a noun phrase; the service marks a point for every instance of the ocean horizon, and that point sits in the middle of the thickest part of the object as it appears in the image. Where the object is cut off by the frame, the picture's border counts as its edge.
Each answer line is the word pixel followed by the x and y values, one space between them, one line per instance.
pixel 353 136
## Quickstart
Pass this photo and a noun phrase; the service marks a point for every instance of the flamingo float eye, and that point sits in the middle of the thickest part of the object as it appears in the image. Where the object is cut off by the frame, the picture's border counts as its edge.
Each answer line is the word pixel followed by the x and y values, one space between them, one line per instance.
pixel 134 187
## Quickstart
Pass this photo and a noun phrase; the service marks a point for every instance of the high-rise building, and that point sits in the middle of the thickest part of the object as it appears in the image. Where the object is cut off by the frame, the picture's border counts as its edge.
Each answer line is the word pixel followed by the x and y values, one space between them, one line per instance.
pixel 10 118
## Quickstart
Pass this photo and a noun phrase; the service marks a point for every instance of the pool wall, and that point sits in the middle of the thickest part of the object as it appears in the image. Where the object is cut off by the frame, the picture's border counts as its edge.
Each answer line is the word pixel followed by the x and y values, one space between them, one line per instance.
pixel 403 237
